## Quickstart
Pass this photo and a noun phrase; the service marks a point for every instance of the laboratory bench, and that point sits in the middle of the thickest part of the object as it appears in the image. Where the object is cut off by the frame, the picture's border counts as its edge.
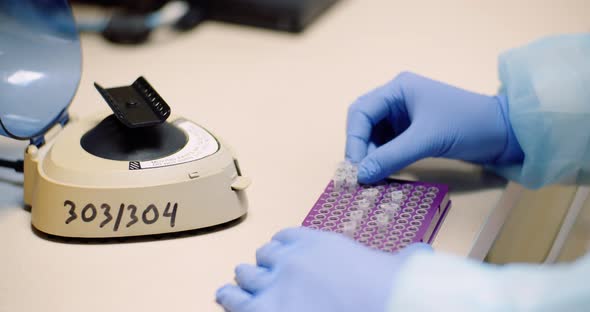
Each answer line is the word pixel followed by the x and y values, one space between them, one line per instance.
pixel 280 100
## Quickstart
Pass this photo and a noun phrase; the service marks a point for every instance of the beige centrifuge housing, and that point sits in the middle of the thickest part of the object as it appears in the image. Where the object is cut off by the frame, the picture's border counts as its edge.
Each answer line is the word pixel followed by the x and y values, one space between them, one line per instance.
pixel 75 194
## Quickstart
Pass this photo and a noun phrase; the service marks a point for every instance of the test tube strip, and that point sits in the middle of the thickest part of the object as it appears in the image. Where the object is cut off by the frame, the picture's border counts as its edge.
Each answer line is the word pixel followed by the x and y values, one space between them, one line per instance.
pixel 345 178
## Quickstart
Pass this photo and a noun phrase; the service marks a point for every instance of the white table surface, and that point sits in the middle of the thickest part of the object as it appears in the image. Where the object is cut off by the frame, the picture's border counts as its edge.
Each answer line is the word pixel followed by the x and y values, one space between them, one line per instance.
pixel 280 100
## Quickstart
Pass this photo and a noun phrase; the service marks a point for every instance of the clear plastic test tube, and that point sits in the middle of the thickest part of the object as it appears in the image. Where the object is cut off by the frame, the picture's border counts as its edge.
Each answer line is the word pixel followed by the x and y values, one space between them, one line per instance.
pixel 382 220
pixel 339 181
pixel 346 166
pixel 356 215
pixel 371 194
pixel 396 196
pixel 348 228
pixel 351 183
pixel 354 170
pixel 364 205
pixel 390 208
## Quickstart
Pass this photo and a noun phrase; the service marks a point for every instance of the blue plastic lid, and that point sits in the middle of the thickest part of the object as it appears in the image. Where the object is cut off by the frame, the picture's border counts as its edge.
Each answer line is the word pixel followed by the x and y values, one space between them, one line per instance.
pixel 40 65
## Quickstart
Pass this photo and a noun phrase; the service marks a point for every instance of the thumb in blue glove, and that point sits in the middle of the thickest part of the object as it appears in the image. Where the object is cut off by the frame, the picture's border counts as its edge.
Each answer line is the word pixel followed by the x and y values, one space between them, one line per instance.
pixel 312 271
pixel 413 117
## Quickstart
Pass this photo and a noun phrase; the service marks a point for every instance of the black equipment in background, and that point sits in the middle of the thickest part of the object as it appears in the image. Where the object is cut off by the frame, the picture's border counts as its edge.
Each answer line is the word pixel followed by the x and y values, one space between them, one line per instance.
pixel 284 15
pixel 129 25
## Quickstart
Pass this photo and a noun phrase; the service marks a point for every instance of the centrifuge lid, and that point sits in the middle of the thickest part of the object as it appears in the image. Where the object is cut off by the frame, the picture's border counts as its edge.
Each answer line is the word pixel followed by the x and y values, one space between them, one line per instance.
pixel 41 65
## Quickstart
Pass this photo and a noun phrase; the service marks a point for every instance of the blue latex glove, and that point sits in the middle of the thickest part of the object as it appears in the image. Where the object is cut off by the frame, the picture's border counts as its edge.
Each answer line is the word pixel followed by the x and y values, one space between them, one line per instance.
pixel 307 270
pixel 413 117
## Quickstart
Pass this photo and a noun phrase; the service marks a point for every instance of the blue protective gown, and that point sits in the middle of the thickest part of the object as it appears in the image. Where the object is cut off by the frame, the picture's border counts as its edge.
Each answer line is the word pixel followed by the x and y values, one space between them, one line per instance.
pixel 548 88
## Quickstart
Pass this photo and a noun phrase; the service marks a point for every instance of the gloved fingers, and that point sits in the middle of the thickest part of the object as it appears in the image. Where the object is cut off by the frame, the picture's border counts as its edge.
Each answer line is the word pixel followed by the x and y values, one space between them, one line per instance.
pixel 407 148
pixel 232 298
pixel 372 148
pixel 252 278
pixel 356 148
pixel 267 255
pixel 416 247
pixel 368 110
pixel 290 235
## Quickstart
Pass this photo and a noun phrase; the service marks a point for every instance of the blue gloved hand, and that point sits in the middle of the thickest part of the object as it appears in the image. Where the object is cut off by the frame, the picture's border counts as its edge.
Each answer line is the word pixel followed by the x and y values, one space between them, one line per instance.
pixel 306 270
pixel 413 117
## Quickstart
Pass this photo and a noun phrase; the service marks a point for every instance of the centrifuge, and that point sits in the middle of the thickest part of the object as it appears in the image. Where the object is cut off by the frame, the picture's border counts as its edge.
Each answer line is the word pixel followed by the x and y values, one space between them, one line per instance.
pixel 134 169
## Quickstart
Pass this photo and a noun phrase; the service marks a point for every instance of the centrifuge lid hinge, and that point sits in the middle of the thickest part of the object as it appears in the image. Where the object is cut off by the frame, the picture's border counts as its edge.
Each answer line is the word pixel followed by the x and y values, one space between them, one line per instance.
pixel 48 135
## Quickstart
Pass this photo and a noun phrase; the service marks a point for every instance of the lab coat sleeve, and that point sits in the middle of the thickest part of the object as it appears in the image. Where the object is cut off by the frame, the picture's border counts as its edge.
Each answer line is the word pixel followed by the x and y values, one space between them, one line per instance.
pixel 547 84
pixel 439 282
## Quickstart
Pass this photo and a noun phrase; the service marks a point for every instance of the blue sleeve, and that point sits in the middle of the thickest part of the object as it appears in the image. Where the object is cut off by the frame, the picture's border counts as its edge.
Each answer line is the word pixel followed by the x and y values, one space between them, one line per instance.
pixel 438 282
pixel 547 84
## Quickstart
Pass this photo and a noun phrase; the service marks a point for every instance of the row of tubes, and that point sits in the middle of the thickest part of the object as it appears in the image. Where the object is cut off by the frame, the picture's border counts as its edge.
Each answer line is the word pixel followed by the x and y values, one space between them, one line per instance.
pixel 346 177
pixel 366 204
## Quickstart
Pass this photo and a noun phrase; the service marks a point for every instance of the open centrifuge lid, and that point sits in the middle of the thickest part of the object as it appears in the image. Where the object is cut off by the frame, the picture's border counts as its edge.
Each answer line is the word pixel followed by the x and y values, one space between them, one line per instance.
pixel 40 65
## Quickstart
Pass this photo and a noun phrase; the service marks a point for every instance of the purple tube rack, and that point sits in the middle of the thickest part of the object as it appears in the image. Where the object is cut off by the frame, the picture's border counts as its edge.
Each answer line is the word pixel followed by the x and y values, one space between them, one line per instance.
pixel 423 209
